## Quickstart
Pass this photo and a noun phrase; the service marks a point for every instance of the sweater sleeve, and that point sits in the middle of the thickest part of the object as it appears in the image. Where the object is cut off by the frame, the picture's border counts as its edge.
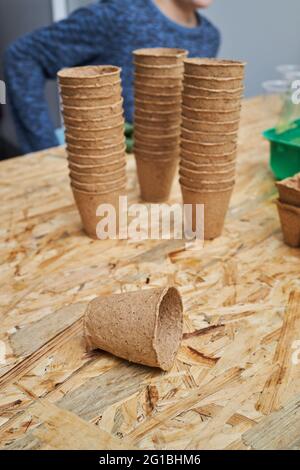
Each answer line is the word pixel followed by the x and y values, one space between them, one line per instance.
pixel 38 56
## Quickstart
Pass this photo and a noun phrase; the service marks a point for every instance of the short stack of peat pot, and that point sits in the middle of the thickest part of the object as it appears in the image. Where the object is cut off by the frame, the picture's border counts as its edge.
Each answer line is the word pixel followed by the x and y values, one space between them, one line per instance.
pixel 158 95
pixel 92 108
pixel 288 206
pixel 211 104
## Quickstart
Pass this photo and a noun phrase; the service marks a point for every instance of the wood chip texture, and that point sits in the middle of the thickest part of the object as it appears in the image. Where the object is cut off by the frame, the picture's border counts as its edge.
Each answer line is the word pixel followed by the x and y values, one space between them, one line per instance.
pixel 236 379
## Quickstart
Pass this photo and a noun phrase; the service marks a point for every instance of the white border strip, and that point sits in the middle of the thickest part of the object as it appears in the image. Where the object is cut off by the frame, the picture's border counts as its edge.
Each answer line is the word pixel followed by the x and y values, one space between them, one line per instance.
pixel 59 9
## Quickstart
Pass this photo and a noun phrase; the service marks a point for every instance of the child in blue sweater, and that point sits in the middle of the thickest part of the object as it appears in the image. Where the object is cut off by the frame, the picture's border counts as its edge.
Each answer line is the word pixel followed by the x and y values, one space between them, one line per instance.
pixel 106 32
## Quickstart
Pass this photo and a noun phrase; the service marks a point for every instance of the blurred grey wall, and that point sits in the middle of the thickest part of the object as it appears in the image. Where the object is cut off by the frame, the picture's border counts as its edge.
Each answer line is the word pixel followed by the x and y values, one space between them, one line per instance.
pixel 18 17
pixel 265 33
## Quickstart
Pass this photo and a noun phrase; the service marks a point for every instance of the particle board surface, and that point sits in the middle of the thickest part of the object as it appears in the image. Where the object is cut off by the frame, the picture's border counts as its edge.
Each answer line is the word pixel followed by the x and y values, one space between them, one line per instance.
pixel 234 370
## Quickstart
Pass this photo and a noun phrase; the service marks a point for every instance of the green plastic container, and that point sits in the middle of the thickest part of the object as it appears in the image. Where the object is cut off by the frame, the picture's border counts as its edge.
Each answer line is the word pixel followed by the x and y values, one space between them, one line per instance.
pixel 285 151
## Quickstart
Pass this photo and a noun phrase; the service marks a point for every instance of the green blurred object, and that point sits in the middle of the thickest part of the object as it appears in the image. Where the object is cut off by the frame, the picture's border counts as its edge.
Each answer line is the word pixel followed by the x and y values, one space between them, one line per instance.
pixel 128 129
pixel 129 137
pixel 129 145
pixel 285 150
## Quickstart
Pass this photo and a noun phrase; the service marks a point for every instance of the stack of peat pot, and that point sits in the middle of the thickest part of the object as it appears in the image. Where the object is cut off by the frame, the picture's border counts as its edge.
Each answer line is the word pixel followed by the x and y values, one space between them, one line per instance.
pixel 92 108
pixel 211 104
pixel 158 95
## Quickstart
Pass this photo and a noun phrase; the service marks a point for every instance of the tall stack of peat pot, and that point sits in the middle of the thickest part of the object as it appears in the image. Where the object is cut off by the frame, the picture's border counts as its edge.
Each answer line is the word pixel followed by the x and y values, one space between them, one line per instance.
pixel 211 104
pixel 158 95
pixel 92 108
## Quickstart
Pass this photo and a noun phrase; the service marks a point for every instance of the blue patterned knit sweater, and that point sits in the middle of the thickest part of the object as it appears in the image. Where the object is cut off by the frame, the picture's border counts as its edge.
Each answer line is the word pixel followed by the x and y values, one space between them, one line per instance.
pixel 106 32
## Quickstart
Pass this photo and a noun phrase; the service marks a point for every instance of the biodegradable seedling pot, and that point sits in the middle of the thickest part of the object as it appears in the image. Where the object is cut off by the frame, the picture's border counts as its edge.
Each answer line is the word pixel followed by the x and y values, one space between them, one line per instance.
pixel 91 91
pixel 156 178
pixel 104 187
pixel 158 90
pixel 214 68
pixel 214 83
pixel 159 146
pixel 94 124
pixel 91 102
pixel 210 93
pixel 216 205
pixel 206 185
pixel 166 113
pixel 290 223
pixel 166 138
pixel 159 56
pixel 175 71
pixel 211 116
pixel 92 75
pixel 144 327
pixel 156 154
pixel 95 134
pixel 211 104
pixel 194 157
pixel 158 106
pixel 207 126
pixel 207 174
pixel 152 135
pixel 100 112
pixel 87 204
pixel 98 152
pixel 112 139
pixel 157 68
pixel 209 149
pixel 208 137
pixel 161 81
pixel 158 117
pixel 164 98
pixel 98 178
pixel 156 128
pixel 289 190
pixel 109 159
pixel 211 166
pixel 159 160
pixel 107 167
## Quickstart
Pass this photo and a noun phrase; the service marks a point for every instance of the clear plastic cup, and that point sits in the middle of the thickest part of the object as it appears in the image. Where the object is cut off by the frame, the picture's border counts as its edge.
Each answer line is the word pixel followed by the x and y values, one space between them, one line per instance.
pixel 277 87
pixel 292 76
pixel 286 69
pixel 278 102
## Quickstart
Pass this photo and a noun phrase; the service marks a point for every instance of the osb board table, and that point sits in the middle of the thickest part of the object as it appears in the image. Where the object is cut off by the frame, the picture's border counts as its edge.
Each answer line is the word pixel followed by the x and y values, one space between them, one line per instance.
pixel 234 377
